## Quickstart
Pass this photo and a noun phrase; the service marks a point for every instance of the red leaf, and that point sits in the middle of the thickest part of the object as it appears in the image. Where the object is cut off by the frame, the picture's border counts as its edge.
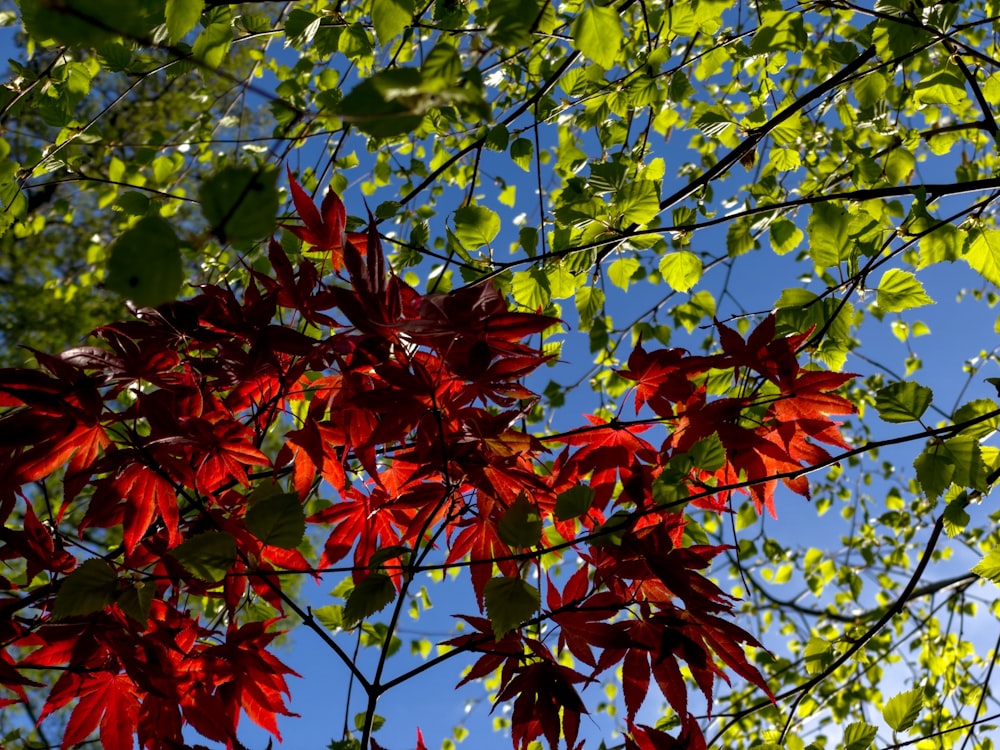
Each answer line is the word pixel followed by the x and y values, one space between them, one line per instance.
pixel 108 700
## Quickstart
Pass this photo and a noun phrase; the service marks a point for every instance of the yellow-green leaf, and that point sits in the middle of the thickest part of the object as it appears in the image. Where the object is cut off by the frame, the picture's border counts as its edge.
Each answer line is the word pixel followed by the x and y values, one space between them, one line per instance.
pixel 597 33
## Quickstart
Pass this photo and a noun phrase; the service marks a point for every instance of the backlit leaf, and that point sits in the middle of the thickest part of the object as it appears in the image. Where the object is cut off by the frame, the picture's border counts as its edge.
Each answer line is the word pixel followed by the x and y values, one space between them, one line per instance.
pixel 681 269
pixel 476 226
pixel 900 290
pixel 574 502
pixel 902 710
pixel 859 736
pixel 182 16
pixel 145 263
pixel 278 520
pixel 241 203
pixel 509 602
pixel 370 595
pixel 989 566
pixel 390 17
pixel 88 589
pixel 521 524
pixel 903 402
pixel 208 556
pixel 597 33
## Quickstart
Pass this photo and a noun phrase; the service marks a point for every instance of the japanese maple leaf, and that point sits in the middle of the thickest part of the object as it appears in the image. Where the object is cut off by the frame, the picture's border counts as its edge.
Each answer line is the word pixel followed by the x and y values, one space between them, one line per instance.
pixel 107 700
pixel 604 449
pixel 643 737
pixel 36 546
pixel 809 398
pixel 250 677
pixel 774 358
pixel 545 699
pixel 360 521
pixel 325 228
pixel 662 377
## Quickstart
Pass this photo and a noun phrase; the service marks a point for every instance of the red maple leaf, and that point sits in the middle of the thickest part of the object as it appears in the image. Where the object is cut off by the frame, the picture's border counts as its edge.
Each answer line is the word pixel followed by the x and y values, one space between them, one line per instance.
pixel 325 228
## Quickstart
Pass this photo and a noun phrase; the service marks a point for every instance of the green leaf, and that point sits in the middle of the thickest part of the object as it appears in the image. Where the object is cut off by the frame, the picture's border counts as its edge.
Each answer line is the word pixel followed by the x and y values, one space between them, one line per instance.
pixel 522 151
pixel 589 303
pixel 784 159
pixel 530 288
pixel 982 253
pixel 387 209
pixel 369 596
pixel 859 736
pixel 989 566
pixel 709 453
pixel 241 203
pixel 390 17
pixel 638 202
pixel 509 602
pixel 944 87
pixel 956 519
pixel 301 27
pixel 597 33
pixel 511 21
pixel 208 556
pixel 88 589
pixel 442 67
pixel 360 719
pixel 476 226
pixel 828 230
pixel 135 599
pixel 621 272
pixel 498 138
pixel 681 270
pixel 818 655
pixel 903 402
pixel 145 263
pixel 970 471
pixel 330 616
pixel 935 471
pixel 391 102
pixel 978 409
pixel 784 236
pixel 574 502
pixel 900 290
pixel 87 23
pixel 182 16
pixel 278 520
pixel 213 44
pixel 902 710
pixel 521 524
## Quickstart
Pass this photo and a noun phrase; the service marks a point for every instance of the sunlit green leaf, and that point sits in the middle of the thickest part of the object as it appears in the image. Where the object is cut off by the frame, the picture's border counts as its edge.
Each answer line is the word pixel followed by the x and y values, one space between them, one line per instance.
pixel 182 16
pixel 597 33
pixel 900 290
pixel 903 402
pixel 390 17
pixel 681 270
pixel 902 710
pixel 859 736
pixel 476 226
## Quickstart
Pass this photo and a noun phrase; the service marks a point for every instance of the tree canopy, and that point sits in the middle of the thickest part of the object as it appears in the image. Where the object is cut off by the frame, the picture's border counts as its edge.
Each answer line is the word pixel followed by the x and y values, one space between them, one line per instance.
pixel 299 292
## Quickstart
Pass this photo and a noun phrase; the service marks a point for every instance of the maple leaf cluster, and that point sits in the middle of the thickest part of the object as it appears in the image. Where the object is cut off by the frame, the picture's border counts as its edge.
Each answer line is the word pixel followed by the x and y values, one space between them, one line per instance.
pixel 201 443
